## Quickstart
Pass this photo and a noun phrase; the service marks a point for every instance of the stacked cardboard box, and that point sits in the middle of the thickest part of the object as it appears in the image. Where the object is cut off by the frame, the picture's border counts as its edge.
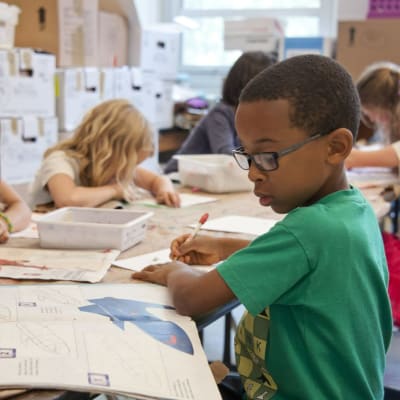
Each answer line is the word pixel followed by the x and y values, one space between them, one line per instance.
pixel 102 52
pixel 28 125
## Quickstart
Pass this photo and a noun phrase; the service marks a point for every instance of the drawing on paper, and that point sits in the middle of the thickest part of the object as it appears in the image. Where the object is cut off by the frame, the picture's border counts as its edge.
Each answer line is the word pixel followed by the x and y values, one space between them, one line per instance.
pixel 121 311
pixel 20 263
pixel 5 313
pixel 55 296
pixel 43 337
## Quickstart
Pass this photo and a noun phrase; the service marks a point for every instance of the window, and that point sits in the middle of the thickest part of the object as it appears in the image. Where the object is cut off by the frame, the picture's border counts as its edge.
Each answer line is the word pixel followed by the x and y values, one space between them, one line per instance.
pixel 203 51
pixel 204 46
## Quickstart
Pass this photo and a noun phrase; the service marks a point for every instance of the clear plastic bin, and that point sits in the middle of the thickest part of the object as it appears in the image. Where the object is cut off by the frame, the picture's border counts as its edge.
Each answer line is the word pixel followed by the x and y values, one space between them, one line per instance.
pixel 215 173
pixel 92 228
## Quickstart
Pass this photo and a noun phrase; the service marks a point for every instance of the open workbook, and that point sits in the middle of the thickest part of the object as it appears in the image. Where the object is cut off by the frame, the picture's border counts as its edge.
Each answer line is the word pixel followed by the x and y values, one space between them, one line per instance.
pixel 119 338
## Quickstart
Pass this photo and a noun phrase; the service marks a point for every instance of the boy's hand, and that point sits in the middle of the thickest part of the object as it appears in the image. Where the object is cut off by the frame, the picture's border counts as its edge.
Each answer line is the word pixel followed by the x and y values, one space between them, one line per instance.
pixel 201 250
pixel 169 198
pixel 157 273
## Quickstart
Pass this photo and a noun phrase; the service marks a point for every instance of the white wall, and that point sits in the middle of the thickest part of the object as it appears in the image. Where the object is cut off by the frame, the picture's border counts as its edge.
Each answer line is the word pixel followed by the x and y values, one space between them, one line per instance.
pixel 352 9
pixel 149 11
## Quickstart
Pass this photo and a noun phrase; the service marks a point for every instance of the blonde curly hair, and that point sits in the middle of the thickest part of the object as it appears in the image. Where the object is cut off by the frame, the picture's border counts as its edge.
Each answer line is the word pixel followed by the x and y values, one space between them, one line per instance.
pixel 107 142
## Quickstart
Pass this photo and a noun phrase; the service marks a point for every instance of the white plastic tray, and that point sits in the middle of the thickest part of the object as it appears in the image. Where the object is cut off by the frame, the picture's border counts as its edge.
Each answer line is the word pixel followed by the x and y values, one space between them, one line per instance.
pixel 92 228
pixel 215 173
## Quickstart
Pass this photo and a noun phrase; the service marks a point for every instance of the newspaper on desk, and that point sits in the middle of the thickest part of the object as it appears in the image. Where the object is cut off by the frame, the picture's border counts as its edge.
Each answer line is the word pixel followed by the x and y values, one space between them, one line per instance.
pixel 111 338
pixel 54 264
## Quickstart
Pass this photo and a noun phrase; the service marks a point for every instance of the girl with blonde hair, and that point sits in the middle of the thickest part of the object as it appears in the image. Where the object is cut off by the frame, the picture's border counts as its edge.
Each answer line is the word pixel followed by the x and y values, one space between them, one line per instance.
pixel 100 161
pixel 379 91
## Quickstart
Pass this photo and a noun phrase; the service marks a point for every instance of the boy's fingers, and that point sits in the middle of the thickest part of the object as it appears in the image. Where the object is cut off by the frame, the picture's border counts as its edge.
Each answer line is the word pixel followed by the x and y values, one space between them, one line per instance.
pixel 149 268
pixel 148 276
pixel 187 246
pixel 139 275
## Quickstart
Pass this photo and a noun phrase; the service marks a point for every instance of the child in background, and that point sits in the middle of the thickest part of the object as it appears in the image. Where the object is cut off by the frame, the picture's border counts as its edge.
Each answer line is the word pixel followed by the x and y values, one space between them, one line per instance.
pixel 315 286
pixel 379 91
pixel 215 133
pixel 100 162
pixel 16 214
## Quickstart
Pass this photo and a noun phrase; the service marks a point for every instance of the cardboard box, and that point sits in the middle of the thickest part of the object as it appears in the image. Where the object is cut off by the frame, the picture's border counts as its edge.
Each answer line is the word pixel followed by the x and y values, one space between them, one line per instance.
pixel 361 43
pixel 159 50
pixel 253 34
pixel 24 140
pixel 107 86
pixel 66 28
pixel 112 40
pixel 8 22
pixel 127 10
pixel 78 90
pixel 153 48
pixel 164 104
pixel 26 83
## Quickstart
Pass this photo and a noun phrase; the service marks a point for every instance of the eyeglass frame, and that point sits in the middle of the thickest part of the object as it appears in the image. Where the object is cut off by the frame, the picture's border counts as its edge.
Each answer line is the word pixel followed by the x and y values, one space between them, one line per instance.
pixel 275 154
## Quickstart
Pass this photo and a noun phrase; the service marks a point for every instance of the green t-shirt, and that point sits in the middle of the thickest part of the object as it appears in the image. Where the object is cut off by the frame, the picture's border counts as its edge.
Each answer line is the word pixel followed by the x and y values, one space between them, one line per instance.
pixel 322 272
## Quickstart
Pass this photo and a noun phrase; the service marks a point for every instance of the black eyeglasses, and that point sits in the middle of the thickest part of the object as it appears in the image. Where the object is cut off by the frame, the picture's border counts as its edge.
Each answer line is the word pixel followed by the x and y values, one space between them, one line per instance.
pixel 268 161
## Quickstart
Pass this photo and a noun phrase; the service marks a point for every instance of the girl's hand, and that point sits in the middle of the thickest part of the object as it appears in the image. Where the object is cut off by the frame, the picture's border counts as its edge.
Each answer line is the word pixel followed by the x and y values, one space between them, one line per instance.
pixel 352 159
pixel 169 198
pixel 4 235
pixel 119 191
pixel 201 250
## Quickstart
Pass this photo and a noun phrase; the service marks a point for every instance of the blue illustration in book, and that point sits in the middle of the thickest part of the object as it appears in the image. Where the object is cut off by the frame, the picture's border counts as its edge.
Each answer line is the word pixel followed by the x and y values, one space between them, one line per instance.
pixel 121 311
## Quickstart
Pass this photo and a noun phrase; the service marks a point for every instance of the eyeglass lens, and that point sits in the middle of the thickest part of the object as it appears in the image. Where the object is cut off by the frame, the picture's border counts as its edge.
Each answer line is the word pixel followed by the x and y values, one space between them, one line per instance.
pixel 263 161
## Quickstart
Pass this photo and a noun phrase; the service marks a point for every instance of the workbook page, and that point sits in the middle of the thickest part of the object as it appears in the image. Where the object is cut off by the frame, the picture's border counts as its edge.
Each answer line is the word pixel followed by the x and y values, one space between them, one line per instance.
pixel 123 338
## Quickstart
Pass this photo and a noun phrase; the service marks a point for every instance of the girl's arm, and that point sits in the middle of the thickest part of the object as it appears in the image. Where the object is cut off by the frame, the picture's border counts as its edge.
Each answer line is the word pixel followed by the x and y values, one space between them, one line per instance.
pixel 160 186
pixel 65 192
pixel 220 131
pixel 385 157
pixel 17 211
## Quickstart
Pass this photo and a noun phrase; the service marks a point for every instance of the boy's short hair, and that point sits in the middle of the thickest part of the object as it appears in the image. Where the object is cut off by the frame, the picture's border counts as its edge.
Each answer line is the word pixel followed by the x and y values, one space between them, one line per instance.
pixel 320 92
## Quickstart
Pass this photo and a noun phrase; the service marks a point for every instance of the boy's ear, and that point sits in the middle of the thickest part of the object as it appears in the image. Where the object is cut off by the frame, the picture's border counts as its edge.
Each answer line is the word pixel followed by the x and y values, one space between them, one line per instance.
pixel 340 143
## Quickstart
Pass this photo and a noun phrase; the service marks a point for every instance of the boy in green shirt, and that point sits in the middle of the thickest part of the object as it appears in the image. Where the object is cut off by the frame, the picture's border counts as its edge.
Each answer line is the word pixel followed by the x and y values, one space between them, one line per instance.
pixel 315 286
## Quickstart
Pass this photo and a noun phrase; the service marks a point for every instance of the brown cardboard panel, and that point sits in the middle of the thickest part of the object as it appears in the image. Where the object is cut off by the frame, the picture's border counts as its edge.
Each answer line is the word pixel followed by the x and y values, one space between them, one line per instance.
pixel 361 43
pixel 38 24
pixel 112 40
pixel 66 28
